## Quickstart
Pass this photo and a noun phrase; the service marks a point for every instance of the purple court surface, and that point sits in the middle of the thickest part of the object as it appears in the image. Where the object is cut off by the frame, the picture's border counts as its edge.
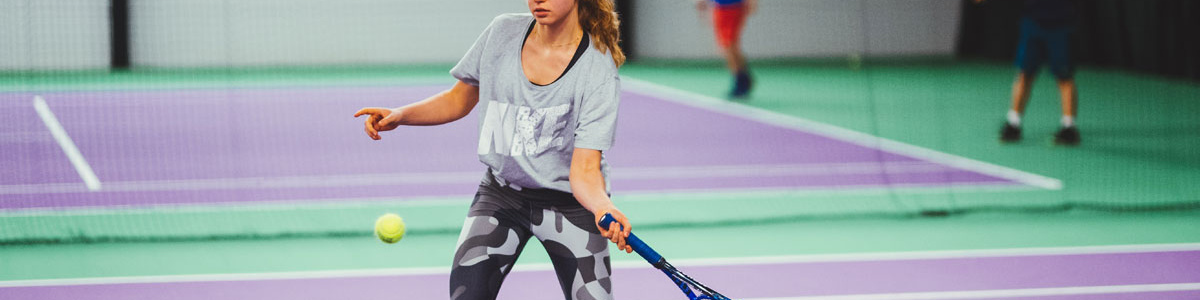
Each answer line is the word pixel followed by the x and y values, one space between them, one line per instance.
pixel 98 149
pixel 1105 276
pixel 204 146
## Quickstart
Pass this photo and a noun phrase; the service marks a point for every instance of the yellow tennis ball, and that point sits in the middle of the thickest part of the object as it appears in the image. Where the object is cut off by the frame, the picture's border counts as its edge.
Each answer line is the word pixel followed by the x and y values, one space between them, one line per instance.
pixel 389 228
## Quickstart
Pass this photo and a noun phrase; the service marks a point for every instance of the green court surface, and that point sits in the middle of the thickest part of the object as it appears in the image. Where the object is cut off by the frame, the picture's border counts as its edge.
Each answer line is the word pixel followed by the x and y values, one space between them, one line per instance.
pixel 1132 181
pixel 435 250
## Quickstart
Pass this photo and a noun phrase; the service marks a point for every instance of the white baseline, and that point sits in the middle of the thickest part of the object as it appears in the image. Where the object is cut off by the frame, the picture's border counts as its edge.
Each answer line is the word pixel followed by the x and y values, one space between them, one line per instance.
pixel 67 145
pixel 846 135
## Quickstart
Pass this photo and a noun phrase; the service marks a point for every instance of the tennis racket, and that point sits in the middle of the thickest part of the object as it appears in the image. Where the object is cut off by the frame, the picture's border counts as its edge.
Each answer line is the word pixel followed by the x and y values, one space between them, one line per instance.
pixel 686 284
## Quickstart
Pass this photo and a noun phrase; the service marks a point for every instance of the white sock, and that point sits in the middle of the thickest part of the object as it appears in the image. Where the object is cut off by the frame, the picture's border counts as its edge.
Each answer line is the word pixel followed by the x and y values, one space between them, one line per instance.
pixel 1014 118
pixel 1068 121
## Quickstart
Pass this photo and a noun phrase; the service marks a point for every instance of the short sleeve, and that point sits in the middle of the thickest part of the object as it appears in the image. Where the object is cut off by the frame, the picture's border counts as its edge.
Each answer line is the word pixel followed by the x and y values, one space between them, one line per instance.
pixel 598 116
pixel 467 69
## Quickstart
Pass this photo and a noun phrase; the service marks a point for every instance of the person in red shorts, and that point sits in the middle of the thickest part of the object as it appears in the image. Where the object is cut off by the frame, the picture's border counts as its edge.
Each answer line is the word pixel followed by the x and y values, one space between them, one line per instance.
pixel 728 18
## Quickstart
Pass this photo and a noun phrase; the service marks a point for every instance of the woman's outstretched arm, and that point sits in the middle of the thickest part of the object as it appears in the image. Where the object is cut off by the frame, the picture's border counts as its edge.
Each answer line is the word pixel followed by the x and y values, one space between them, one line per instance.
pixel 442 108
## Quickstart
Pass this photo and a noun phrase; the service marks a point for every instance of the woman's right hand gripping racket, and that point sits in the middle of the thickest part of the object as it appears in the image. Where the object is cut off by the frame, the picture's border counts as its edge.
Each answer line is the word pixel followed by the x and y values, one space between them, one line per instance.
pixel 688 285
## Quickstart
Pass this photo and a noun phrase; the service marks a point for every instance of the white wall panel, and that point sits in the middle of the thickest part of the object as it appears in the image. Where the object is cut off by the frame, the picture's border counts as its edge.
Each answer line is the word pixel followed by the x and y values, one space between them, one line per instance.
pixel 201 33
pixel 803 28
pixel 74 34
pixel 54 35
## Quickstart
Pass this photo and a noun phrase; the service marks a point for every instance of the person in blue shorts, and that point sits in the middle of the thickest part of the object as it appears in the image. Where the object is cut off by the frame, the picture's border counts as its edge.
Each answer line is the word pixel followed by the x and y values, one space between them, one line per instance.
pixel 549 89
pixel 1046 27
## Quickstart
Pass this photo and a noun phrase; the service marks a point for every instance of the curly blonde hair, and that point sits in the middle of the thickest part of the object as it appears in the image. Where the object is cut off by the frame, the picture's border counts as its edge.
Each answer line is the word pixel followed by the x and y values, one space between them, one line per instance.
pixel 599 18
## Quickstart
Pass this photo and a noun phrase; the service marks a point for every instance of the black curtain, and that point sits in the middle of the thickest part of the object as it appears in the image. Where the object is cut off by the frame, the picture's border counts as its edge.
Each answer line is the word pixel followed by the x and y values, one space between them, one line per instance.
pixel 1154 36
pixel 118 14
pixel 625 13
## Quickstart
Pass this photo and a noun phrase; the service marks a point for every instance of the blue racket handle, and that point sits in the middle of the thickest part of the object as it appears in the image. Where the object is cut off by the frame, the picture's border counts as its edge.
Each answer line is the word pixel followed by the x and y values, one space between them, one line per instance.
pixel 638 245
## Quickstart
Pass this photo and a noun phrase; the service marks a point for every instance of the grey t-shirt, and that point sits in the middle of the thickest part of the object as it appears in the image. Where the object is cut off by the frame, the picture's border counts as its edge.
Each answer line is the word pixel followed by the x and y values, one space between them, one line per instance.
pixel 527 131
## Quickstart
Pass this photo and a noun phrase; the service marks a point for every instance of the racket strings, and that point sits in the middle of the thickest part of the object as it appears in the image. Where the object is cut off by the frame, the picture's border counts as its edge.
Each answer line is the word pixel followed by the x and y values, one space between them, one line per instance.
pixel 684 281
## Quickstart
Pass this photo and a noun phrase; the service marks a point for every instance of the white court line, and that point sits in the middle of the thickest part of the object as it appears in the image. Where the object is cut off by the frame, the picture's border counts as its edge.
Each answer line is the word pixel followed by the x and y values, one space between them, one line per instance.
pixel 68 146
pixel 631 264
pixel 862 139
pixel 279 84
pixel 1008 293
pixel 231 207
pixel 391 179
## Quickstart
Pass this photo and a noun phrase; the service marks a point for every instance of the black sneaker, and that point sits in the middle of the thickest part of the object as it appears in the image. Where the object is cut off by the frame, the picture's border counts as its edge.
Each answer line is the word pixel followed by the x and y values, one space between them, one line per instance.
pixel 1009 133
pixel 1067 136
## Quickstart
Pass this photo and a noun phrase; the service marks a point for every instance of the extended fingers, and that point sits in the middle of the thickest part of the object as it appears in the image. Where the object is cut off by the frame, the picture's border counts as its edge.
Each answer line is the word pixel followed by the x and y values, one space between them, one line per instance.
pixel 371 124
pixel 364 111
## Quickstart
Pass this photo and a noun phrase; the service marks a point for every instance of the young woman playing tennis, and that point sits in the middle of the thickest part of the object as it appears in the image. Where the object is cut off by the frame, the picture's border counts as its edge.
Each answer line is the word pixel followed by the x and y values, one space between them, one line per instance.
pixel 549 82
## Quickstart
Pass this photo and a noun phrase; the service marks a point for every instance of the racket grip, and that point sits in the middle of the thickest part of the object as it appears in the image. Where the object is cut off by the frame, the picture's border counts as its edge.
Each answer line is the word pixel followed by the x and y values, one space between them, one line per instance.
pixel 637 244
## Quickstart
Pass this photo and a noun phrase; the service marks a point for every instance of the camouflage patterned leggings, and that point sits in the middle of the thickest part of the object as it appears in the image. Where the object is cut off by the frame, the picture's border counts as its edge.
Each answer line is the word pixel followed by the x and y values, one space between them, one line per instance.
pixel 501 220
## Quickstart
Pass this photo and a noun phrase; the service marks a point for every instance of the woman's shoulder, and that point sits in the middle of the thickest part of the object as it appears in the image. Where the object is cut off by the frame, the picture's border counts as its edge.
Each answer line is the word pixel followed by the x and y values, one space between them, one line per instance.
pixel 600 62
pixel 505 29
pixel 599 71
pixel 511 20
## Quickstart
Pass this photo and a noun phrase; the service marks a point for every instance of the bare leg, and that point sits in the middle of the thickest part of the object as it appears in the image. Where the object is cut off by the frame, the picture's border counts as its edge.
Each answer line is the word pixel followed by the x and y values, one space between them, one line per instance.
pixel 1070 97
pixel 1011 132
pixel 1021 91
pixel 734 59
pixel 1068 135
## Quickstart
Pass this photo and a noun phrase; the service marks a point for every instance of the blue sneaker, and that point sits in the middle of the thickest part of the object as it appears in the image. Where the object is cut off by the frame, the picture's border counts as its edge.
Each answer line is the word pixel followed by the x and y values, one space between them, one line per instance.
pixel 741 85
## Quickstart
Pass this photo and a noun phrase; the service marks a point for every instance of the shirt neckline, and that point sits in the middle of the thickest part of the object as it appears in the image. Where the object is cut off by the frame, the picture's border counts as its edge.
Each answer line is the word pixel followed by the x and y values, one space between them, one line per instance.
pixel 579 50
